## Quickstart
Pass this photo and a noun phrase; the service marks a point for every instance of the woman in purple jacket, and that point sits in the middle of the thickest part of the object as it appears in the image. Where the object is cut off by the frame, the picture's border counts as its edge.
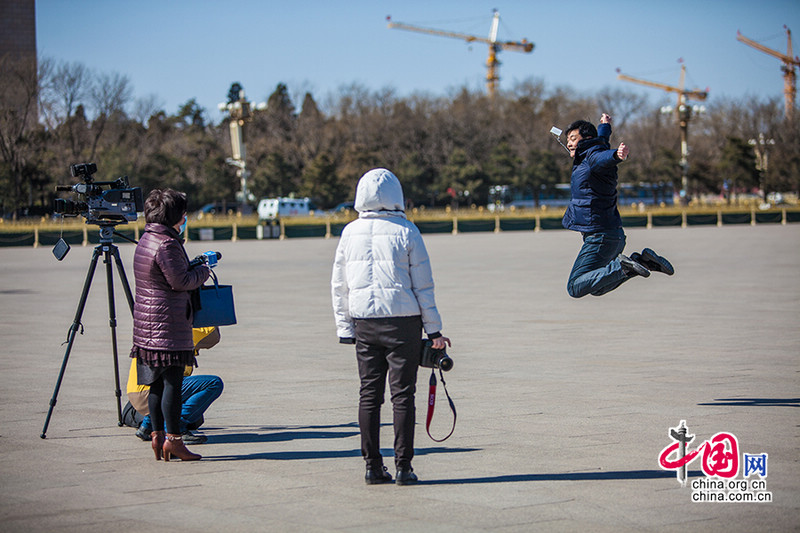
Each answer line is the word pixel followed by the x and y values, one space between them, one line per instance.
pixel 162 316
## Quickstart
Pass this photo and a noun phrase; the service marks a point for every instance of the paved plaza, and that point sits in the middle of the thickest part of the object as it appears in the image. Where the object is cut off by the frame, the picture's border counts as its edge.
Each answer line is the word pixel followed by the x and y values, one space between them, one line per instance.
pixel 564 406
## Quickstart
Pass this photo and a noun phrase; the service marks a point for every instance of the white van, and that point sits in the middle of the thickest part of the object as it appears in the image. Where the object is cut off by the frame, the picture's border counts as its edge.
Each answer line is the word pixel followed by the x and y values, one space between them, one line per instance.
pixel 273 208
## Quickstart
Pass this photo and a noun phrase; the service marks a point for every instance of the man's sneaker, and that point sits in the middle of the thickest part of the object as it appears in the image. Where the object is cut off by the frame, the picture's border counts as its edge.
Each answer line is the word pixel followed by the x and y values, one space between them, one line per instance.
pixel 632 268
pixel 193 438
pixel 655 262
pixel 144 433
pixel 376 477
pixel 406 476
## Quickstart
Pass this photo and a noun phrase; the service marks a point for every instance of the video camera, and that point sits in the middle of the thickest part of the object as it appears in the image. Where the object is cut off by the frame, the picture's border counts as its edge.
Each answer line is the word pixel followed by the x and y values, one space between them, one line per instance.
pixel 118 204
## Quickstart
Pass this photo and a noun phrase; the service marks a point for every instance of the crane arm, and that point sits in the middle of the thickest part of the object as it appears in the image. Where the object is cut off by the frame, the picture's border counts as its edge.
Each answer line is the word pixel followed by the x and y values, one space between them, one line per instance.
pixel 758 46
pixel 522 46
pixel 695 94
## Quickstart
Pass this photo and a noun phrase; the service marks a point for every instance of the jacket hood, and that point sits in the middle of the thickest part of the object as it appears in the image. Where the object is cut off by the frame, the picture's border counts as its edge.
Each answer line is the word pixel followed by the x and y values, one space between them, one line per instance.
pixel 379 190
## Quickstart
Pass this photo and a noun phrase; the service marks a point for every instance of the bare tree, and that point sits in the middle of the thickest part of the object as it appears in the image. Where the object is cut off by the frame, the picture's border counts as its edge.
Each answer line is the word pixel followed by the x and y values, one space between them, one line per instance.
pixel 146 107
pixel 65 88
pixel 110 93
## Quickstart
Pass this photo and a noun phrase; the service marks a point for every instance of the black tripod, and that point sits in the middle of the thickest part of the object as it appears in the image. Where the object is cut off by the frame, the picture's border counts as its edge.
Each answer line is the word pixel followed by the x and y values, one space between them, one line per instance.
pixel 108 249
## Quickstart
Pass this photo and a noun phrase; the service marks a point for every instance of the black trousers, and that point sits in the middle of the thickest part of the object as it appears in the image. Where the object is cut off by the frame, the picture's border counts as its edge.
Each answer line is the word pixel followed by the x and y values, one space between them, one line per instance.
pixel 388 346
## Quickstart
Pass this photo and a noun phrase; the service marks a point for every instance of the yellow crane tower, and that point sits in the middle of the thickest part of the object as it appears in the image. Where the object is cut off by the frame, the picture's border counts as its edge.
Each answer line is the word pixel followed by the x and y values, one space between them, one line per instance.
pixel 789 64
pixel 683 113
pixel 495 46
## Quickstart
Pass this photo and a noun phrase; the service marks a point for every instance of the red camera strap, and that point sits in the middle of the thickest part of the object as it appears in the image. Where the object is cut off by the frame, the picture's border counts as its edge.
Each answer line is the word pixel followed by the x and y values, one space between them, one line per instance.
pixel 432 405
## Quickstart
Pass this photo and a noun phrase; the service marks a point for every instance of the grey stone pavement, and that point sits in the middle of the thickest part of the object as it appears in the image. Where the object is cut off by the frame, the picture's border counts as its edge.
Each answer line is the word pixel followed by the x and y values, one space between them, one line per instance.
pixel 563 405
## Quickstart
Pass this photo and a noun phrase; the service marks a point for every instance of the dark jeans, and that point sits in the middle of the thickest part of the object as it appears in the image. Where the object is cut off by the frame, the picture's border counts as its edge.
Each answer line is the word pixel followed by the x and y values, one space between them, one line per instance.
pixel 197 395
pixel 597 269
pixel 388 346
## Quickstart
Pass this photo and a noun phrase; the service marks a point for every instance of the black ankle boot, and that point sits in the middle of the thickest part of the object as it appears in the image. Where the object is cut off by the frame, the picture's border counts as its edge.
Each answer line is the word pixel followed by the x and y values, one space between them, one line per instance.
pixel 377 476
pixel 406 476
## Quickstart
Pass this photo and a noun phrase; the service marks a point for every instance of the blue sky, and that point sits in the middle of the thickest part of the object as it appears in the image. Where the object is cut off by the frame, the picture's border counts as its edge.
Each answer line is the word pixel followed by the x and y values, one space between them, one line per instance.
pixel 181 49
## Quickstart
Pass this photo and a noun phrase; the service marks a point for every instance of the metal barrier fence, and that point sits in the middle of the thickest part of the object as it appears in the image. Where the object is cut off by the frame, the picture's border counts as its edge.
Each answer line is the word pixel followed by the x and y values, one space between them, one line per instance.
pixel 281 230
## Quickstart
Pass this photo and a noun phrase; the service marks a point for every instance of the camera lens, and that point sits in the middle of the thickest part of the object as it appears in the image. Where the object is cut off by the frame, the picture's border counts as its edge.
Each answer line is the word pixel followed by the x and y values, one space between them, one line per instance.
pixel 64 206
pixel 445 363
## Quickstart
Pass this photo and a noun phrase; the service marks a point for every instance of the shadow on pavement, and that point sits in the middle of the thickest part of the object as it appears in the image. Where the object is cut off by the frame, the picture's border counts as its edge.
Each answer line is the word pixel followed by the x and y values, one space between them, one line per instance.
pixel 324 454
pixel 283 436
pixel 575 476
pixel 756 402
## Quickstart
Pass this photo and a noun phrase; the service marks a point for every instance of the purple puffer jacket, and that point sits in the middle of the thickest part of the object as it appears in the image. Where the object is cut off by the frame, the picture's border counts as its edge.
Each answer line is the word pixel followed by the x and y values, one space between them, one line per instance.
pixel 162 313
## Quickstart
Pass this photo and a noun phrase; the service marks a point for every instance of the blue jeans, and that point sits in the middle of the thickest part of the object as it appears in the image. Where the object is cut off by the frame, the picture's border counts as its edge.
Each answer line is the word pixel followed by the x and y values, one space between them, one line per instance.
pixel 597 269
pixel 197 394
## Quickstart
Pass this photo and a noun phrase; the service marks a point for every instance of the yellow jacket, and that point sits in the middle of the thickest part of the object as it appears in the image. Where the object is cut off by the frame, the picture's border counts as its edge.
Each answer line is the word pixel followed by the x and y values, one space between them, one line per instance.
pixel 204 338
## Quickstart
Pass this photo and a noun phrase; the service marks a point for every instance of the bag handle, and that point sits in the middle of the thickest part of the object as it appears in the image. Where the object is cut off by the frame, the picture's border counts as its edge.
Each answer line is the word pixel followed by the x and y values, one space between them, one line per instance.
pixel 216 282
pixel 432 405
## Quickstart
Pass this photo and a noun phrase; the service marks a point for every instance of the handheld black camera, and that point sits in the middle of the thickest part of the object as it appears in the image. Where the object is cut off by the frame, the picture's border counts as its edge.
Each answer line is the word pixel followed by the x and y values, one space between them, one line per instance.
pixel 433 358
pixel 118 204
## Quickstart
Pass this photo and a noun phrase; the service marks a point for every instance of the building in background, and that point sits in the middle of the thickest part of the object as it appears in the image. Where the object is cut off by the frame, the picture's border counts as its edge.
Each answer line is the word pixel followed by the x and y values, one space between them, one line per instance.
pixel 18 29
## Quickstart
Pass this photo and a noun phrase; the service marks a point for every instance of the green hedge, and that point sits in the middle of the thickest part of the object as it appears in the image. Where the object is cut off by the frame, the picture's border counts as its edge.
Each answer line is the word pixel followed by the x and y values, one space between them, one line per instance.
pixel 667 220
pixel 517 224
pixel 635 221
pixel 470 226
pixel 550 223
pixel 17 238
pixel 304 230
pixel 246 232
pixel 49 238
pixel 769 217
pixel 736 218
pixel 337 227
pixel 706 219
pixel 435 226
pixel 74 235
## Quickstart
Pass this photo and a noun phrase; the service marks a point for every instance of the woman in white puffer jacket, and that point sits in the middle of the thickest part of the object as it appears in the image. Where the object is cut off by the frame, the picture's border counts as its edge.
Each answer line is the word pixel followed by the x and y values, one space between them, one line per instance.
pixel 382 289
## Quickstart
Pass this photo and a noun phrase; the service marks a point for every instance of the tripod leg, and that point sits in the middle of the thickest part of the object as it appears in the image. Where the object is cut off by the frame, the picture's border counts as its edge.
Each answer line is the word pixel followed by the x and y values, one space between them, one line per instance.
pixel 112 322
pixel 73 330
pixel 125 285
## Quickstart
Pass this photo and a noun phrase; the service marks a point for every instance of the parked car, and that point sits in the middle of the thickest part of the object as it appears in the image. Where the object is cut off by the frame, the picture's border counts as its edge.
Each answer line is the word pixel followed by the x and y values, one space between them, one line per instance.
pixel 342 208
pixel 218 208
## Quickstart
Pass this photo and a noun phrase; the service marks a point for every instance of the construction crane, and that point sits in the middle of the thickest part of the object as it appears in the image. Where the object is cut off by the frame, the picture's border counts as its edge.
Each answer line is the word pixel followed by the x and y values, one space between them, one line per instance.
pixel 789 64
pixel 683 113
pixel 495 46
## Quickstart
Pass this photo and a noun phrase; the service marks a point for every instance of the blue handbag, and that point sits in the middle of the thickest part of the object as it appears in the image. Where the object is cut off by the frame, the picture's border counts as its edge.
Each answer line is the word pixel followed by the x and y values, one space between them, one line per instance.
pixel 213 305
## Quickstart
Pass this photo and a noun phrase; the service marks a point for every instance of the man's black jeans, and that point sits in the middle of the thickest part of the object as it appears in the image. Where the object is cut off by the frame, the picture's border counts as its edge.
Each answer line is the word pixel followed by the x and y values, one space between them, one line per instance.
pixel 388 346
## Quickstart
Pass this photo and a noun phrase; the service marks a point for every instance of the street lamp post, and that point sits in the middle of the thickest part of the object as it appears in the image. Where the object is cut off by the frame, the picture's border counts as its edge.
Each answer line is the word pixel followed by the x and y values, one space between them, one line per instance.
pixel 762 158
pixel 684 115
pixel 240 113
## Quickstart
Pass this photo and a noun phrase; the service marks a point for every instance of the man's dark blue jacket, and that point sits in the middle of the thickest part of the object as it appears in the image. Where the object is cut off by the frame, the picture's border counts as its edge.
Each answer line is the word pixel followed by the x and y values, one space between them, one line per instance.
pixel 594 186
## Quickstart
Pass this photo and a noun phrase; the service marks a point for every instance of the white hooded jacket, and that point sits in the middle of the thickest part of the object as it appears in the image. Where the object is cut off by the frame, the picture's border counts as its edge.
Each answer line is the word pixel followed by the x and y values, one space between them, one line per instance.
pixel 382 268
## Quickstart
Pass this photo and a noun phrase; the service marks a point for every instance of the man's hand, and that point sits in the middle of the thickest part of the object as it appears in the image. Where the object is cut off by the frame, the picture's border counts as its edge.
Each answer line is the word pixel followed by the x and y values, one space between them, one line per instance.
pixel 605 118
pixel 439 343
pixel 622 152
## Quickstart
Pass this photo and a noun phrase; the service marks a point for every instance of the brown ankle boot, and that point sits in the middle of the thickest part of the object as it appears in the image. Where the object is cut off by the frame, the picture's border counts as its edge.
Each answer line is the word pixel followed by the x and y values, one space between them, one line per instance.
pixel 158 443
pixel 174 445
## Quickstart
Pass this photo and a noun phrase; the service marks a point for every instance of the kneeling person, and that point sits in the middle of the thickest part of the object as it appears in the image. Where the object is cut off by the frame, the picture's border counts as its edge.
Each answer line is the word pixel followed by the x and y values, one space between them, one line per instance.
pixel 197 394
